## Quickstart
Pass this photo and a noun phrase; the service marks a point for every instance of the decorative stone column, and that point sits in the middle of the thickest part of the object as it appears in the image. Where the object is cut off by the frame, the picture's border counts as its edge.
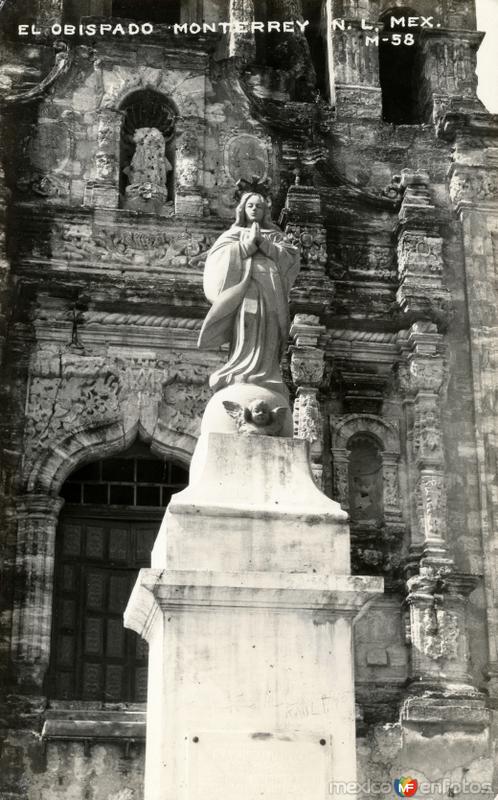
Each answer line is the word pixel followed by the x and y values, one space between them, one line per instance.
pixel 473 188
pixel 443 713
pixel 189 138
pixel 440 691
pixel 302 222
pixel 439 643
pixel 422 380
pixel 38 515
pixel 421 293
pixel 449 59
pixel 103 191
pixel 307 367
pixel 355 67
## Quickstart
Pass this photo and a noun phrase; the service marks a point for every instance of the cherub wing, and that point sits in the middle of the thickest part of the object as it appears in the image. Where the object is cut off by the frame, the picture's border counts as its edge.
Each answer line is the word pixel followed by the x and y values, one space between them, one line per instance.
pixel 235 410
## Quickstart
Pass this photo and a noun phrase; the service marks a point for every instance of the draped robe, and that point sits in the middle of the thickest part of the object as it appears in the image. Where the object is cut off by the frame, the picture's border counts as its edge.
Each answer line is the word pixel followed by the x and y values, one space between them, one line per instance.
pixel 249 311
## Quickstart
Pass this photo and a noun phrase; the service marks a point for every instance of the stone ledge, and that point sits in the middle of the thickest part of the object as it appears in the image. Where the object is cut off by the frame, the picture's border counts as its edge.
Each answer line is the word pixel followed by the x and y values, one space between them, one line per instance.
pixel 94 726
pixel 466 713
pixel 325 596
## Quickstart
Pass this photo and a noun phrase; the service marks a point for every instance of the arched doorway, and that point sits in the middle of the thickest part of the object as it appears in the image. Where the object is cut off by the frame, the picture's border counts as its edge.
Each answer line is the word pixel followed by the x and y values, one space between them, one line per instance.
pixel 106 531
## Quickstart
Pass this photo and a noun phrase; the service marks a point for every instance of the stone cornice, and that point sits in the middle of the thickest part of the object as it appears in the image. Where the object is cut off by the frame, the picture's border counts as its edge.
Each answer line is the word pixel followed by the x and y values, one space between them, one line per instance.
pixel 473 123
pixel 474 38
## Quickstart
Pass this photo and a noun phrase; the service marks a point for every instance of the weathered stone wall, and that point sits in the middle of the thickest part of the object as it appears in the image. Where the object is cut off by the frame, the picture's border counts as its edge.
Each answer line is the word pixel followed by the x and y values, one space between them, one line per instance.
pixel 33 769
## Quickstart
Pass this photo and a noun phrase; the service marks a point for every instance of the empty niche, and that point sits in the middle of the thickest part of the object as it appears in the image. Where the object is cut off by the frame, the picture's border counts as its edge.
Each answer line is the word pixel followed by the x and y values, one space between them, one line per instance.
pixel 365 480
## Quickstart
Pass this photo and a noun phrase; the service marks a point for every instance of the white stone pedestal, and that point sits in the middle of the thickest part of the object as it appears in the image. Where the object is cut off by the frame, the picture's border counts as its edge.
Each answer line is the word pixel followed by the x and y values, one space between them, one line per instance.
pixel 248 612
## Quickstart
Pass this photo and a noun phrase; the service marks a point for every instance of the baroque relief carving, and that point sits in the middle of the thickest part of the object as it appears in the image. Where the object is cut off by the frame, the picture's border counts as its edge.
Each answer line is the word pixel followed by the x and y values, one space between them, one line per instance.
pixel 391 487
pixel 307 368
pixel 311 241
pixel 426 374
pixel 245 155
pixel 439 633
pixel 450 64
pixel 75 393
pixel 348 426
pixel 308 417
pixel 134 248
pixel 433 496
pixel 420 253
pixel 471 184
pixel 341 481
pixel 74 399
pixel 366 261
pixel 182 404
pixel 427 439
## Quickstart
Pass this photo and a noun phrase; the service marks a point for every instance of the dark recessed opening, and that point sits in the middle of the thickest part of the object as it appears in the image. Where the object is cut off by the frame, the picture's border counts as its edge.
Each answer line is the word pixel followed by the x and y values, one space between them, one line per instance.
pixel 165 12
pixel 399 69
pixel 312 11
pixel 105 535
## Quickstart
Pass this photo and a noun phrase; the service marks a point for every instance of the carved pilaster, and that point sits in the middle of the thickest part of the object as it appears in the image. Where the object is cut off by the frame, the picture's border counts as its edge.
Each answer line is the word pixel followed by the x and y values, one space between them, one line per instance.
pixel 188 169
pixel 421 292
pixel 103 191
pixel 32 617
pixel 242 45
pixel 303 224
pixel 356 71
pixel 441 689
pixel 422 381
pixel 449 69
pixel 473 186
pixel 307 366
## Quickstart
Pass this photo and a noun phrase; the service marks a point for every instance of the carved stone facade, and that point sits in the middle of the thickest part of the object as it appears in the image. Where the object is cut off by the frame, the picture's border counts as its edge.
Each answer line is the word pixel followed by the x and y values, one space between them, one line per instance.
pixel 119 162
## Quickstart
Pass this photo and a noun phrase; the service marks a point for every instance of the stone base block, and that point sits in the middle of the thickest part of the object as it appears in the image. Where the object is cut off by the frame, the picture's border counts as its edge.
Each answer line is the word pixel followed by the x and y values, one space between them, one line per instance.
pixel 252 504
pixel 101 195
pixel 189 205
pixel 250 682
pixel 467 710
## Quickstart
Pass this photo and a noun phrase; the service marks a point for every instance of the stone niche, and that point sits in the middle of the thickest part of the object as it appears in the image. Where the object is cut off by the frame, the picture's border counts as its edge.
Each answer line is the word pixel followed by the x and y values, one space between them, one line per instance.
pixel 138 169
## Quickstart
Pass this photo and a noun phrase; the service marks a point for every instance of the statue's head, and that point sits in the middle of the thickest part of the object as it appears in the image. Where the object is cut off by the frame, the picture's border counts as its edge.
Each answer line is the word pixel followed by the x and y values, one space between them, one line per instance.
pixel 148 135
pixel 253 208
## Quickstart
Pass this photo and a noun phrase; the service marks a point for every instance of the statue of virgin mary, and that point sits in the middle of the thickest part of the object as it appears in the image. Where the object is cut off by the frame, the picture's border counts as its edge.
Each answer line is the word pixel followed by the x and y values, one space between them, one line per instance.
pixel 249 272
